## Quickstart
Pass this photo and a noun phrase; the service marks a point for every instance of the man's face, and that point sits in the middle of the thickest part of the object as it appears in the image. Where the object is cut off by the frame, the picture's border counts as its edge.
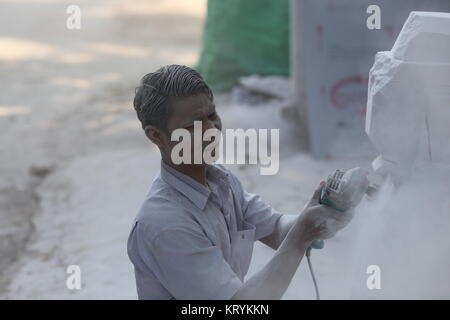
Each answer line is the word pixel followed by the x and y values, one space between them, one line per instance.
pixel 187 110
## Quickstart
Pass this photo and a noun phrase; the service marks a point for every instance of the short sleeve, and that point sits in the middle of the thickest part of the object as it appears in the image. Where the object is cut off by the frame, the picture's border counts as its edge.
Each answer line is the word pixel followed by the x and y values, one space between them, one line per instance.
pixel 189 266
pixel 260 214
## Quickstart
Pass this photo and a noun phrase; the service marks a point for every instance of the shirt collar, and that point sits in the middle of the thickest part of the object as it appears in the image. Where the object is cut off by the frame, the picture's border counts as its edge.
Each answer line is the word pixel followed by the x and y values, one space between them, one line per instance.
pixel 191 189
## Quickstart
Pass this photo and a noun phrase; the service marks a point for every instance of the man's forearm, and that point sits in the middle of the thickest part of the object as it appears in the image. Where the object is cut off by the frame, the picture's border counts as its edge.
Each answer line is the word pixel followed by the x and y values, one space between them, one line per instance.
pixel 273 280
pixel 284 224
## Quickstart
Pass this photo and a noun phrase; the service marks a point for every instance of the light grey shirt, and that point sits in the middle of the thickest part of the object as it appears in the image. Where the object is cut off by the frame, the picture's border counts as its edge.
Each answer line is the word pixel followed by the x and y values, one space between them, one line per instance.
pixel 189 241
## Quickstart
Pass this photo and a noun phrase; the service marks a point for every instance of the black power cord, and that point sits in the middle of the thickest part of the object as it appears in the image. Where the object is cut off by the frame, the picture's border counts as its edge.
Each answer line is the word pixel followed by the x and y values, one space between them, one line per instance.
pixel 308 257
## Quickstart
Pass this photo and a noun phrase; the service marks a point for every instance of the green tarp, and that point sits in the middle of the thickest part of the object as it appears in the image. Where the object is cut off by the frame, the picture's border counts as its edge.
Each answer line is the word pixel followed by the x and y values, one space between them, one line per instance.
pixel 243 37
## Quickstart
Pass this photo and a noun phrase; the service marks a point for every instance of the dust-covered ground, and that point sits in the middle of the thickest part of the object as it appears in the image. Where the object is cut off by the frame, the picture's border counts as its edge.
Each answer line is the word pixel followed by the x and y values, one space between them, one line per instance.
pixel 75 165
pixel 67 95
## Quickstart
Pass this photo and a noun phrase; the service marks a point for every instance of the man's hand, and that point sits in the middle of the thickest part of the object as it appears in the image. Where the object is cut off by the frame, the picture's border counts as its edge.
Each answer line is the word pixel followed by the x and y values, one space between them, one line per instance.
pixel 321 222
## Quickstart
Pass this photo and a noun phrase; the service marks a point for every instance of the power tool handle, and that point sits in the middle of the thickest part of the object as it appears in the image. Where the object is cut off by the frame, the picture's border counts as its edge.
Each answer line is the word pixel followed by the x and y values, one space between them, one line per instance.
pixel 320 244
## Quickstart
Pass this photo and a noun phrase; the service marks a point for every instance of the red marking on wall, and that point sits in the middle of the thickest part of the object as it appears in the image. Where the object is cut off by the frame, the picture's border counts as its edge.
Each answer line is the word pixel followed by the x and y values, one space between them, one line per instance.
pixel 350 92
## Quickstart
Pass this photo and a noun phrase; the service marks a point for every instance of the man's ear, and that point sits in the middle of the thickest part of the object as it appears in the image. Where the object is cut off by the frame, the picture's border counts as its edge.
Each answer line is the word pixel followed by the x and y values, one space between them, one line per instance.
pixel 156 135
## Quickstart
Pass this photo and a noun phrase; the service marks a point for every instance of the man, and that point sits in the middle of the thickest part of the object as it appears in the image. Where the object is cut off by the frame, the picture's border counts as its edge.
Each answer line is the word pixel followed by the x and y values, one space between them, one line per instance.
pixel 193 237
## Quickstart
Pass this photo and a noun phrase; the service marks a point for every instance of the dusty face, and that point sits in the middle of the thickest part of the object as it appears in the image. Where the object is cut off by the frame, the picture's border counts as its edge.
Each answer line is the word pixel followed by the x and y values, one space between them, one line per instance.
pixel 183 114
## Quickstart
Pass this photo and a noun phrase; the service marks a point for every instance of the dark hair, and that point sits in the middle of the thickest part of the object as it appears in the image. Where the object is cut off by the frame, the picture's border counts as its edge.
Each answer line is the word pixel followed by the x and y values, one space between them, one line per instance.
pixel 156 88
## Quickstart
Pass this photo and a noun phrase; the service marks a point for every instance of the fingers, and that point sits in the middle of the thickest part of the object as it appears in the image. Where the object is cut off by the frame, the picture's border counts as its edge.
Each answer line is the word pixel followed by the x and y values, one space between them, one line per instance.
pixel 339 220
pixel 329 212
pixel 322 221
pixel 336 214
pixel 348 215
pixel 328 234
pixel 329 221
pixel 317 192
pixel 324 228
pixel 316 196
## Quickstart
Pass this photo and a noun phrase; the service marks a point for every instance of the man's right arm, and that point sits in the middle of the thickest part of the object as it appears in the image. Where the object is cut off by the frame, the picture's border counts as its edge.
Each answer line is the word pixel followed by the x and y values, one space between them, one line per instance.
pixel 272 281
pixel 315 222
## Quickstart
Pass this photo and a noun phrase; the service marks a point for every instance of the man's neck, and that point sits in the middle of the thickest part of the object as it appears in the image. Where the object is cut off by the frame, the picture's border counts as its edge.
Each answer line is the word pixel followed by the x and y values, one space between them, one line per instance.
pixel 194 171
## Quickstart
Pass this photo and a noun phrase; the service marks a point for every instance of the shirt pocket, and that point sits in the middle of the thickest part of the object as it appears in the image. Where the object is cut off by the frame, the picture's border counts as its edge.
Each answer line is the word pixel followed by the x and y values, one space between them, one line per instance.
pixel 242 247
